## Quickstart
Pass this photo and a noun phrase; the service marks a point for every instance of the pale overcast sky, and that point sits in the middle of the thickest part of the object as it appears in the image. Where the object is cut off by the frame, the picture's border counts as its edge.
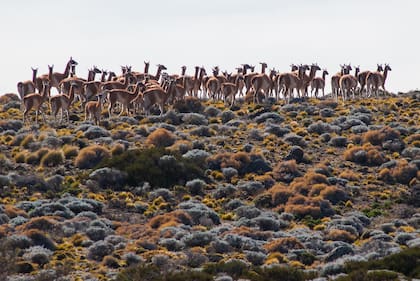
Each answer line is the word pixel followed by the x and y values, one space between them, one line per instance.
pixel 218 32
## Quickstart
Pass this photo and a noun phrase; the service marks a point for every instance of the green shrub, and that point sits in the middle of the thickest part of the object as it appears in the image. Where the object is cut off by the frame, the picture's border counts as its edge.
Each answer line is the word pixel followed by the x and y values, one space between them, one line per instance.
pixel 406 262
pixel 159 167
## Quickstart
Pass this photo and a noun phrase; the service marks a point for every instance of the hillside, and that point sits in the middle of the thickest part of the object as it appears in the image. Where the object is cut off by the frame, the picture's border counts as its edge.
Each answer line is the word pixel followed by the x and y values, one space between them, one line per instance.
pixel 311 185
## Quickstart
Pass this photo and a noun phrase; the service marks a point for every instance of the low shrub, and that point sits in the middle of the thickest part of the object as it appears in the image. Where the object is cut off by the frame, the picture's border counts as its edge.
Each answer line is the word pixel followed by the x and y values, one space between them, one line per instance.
pixel 161 138
pixel 157 166
pixel 405 262
pixel 283 245
pixel 52 158
pixel 91 156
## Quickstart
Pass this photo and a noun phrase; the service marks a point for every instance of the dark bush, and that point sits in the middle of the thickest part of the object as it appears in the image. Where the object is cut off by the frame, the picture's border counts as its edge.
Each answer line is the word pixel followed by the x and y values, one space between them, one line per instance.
pixel 157 166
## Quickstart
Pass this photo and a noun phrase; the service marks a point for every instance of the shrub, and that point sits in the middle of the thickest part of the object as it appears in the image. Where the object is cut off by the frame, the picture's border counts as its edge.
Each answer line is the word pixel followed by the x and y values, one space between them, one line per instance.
pixel 161 138
pixel 280 194
pixel 200 239
pixel 117 149
pixel 194 119
pixel 38 255
pixel 349 175
pixel 405 262
pixel 196 186
pixel 283 245
pixel 52 158
pixel 377 137
pixel 286 171
pixel 334 194
pixel 99 249
pixel 189 104
pixel 170 219
pixel 96 233
pixel 340 235
pixel 404 172
pixel 39 238
pixel 94 132
pixel 70 151
pixel 157 166
pixel 91 156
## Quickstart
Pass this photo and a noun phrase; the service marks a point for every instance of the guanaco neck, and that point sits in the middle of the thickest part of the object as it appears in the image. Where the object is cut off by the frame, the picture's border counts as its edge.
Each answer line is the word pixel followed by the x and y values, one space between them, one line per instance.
pixel 183 70
pixel 34 72
pixel 103 77
pixel 312 72
pixel 324 74
pixel 356 72
pixel 91 75
pixel 146 67
pixel 67 70
pixel 71 93
pixel 111 75
pixel 385 73
pixel 263 66
pixel 50 73
pixel 197 69
pixel 45 91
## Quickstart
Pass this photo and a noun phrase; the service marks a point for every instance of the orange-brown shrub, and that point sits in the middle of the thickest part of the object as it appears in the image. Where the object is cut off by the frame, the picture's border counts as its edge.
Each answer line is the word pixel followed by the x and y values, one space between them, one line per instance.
pixel 366 155
pixel 283 245
pixel 239 161
pixel 300 186
pixel 355 154
pixel 375 157
pixel 117 149
pixel 70 151
pixel 91 156
pixel 334 194
pixel 413 138
pixel 385 175
pixel 12 212
pixel 170 219
pixel 45 223
pixel 280 194
pixel 404 172
pixel 316 189
pixel 315 207
pixel 349 175
pixel 314 178
pixel 161 138
pixel 376 137
pixel 285 171
pixel 251 233
pixel 40 238
pixel 340 235
pixel 52 158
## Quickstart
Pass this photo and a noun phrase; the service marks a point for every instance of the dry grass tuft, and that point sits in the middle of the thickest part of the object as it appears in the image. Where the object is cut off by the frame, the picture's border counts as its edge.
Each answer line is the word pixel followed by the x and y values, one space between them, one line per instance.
pixel 161 138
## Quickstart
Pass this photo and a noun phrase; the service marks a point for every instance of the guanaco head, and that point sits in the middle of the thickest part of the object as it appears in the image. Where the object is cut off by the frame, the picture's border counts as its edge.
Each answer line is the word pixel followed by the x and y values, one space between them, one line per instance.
pixel 273 72
pixel 96 69
pixel 379 67
pixel 34 69
pixel 294 67
pixel 325 72
pixel 72 61
pixel 315 66
pixel 263 64
pixel 387 67
pixel 161 67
